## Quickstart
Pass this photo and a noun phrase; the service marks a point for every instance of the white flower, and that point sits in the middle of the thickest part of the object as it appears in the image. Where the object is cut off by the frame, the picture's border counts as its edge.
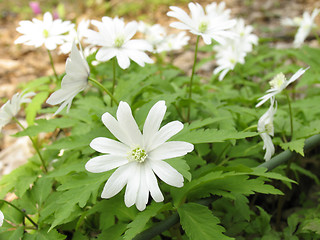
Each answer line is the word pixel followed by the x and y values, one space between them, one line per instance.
pixel 173 42
pixel 75 80
pixel 209 25
pixel 1 218
pixel 74 36
pixel 265 128
pixel 115 38
pixel 234 50
pixel 278 83
pixel 138 157
pixel 154 34
pixel 11 108
pixel 305 24
pixel 48 32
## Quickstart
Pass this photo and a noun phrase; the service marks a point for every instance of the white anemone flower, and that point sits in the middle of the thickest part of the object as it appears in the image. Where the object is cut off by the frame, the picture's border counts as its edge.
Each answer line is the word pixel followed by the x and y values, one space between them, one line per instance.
pixel 11 108
pixel 1 218
pixel 209 25
pixel 305 24
pixel 154 34
pixel 138 157
pixel 278 83
pixel 266 130
pixel 48 32
pixel 115 39
pixel 173 42
pixel 75 80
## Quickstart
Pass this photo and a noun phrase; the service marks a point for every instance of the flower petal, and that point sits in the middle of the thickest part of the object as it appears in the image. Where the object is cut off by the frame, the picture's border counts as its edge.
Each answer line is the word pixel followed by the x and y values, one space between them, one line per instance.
pixel 132 185
pixel 152 183
pixel 167 173
pixel 107 145
pixel 170 150
pixel 143 193
pixel 105 163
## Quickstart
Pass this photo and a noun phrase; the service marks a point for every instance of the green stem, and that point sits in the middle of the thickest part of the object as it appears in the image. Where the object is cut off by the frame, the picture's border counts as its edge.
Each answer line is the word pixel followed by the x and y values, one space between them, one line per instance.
pixel 52 65
pixel 22 212
pixel 290 113
pixel 34 146
pixel 104 89
pixel 114 77
pixel 250 127
pixel 191 78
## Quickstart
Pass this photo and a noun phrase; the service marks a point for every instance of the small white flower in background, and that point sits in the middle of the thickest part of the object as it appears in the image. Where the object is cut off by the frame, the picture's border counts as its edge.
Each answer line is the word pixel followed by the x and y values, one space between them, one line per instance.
pixel 173 42
pixel 11 108
pixel 115 39
pixel 211 24
pixel 75 80
pixel 305 24
pixel 48 32
pixel 138 157
pixel 278 83
pixel 266 129
pixel 153 34
pixel 234 50
pixel 1 218
pixel 74 36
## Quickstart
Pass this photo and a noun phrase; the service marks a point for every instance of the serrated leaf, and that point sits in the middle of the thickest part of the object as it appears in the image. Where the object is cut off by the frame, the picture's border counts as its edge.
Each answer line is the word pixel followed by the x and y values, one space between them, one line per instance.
pixel 181 166
pixel 113 232
pixel 295 145
pixel 138 224
pixel 41 189
pixel 199 223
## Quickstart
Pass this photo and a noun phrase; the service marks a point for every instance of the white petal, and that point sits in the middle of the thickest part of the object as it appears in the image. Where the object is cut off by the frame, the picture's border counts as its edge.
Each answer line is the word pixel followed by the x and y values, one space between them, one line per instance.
pixel 167 173
pixel 143 193
pixel 152 183
pixel 153 120
pixel 132 185
pixel 123 60
pixel 170 150
pixel 1 218
pixel 105 163
pixel 107 145
pixel 116 181
pixel 165 133
pixel 297 75
pixel 128 124
pixel 105 54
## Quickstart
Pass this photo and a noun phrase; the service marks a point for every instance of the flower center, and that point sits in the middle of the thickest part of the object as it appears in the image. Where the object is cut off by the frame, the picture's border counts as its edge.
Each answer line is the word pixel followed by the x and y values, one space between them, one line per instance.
pixel 269 128
pixel 45 33
pixel 118 42
pixel 277 81
pixel 137 154
pixel 203 26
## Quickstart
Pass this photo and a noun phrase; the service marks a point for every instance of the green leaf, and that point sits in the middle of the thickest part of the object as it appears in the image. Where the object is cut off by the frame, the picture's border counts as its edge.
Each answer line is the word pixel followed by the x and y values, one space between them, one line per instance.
pixel 44 234
pixel 35 106
pixel 138 224
pixel 199 223
pixel 295 145
pixel 312 225
pixel 42 189
pixel 113 232
pixel 181 166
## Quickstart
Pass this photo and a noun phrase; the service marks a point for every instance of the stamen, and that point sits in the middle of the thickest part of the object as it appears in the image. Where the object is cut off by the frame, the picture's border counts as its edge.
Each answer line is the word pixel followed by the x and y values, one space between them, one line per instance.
pixel 138 154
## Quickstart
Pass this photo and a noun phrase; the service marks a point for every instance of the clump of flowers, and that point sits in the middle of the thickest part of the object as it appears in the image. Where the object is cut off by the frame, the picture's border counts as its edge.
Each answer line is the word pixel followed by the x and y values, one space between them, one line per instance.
pixel 304 24
pixel 138 157
pixel 47 32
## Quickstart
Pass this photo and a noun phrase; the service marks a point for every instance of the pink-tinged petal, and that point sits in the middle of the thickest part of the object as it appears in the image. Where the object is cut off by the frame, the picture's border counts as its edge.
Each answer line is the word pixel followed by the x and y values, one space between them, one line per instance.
pixel 297 75
pixel 171 149
pixel 104 54
pixel 143 193
pixel 116 181
pixel 132 185
pixel 153 121
pixel 105 163
pixel 128 124
pixel 164 134
pixel 107 145
pixel 123 60
pixel 152 183
pixel 112 124
pixel 167 173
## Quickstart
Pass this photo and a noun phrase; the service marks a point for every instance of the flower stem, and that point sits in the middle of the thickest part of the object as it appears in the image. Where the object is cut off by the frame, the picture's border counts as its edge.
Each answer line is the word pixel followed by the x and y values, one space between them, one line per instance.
pixel 114 77
pixel 22 212
pixel 290 113
pixel 34 146
pixel 104 89
pixel 52 65
pixel 191 78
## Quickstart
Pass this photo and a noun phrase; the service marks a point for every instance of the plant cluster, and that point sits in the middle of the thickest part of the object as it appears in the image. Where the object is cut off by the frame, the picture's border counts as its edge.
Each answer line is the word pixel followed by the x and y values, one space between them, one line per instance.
pixel 140 150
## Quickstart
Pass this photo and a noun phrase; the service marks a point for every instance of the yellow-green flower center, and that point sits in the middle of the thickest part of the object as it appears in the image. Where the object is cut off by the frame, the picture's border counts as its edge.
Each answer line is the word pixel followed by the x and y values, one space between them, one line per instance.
pixel 203 26
pixel 269 128
pixel 137 154
pixel 45 33
pixel 277 81
pixel 118 42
